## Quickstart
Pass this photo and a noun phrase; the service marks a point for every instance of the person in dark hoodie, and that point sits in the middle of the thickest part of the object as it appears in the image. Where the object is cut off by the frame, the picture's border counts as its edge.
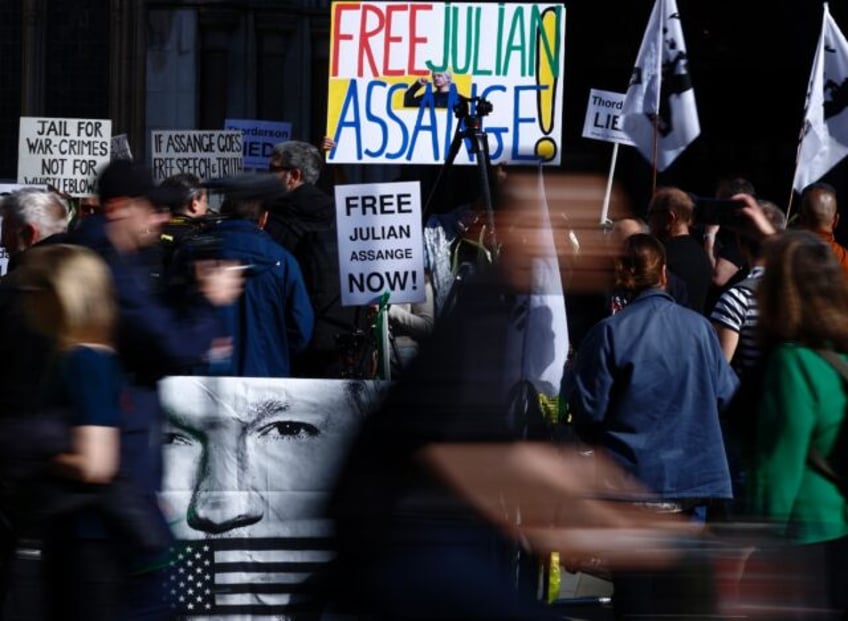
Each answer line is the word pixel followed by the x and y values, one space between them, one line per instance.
pixel 303 221
pixel 273 319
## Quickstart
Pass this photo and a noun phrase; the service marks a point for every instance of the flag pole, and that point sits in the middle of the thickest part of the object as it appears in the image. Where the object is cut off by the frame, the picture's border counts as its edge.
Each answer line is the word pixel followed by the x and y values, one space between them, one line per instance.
pixel 608 193
pixel 795 172
pixel 656 154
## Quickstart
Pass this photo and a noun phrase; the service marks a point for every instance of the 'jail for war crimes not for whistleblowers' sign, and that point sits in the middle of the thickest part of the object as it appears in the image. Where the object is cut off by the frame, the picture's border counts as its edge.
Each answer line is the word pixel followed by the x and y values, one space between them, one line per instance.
pixel 397 69
pixel 381 247
pixel 64 153
pixel 206 154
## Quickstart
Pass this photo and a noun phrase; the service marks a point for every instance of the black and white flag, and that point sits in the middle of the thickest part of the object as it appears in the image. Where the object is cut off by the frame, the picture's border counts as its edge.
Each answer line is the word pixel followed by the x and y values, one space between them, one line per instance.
pixel 824 137
pixel 660 97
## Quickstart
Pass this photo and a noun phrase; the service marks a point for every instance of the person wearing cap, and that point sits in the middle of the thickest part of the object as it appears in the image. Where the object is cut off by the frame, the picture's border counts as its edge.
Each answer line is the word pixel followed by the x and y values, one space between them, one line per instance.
pixel 153 339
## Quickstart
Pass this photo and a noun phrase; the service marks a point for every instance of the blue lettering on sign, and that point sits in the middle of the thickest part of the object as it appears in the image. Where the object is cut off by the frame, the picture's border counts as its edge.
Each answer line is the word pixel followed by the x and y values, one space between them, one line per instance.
pixel 519 120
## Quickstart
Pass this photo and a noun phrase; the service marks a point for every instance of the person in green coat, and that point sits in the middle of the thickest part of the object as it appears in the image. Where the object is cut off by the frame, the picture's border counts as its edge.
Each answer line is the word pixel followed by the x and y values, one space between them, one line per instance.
pixel 803 302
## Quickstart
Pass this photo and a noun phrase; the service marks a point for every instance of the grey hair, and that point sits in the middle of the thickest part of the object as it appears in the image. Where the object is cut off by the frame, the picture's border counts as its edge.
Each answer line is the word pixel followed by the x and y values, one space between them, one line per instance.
pixel 47 211
pixel 301 155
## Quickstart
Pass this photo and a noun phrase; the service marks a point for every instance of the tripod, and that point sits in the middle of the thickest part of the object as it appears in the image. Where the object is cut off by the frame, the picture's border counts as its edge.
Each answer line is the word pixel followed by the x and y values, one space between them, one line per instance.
pixel 470 126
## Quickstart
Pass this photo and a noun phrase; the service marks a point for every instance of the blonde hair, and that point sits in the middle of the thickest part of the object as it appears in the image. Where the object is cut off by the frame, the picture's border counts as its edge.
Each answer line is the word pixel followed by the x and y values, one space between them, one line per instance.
pixel 69 294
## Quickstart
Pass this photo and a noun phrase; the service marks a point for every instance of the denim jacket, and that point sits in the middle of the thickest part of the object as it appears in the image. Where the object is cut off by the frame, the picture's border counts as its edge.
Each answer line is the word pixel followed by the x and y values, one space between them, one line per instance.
pixel 647 386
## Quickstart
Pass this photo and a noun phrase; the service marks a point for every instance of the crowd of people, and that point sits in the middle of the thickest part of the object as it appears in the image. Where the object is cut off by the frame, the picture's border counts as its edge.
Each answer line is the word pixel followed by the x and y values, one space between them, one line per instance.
pixel 706 378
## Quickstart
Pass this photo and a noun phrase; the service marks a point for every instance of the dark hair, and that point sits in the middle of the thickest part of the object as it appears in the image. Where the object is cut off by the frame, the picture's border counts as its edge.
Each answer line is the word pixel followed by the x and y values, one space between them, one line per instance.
pixel 243 209
pixel 676 201
pixel 190 187
pixel 730 186
pixel 803 296
pixel 641 263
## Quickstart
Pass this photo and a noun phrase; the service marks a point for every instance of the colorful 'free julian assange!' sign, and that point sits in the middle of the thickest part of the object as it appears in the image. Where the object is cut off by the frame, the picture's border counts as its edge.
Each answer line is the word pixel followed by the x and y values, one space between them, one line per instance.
pixel 398 70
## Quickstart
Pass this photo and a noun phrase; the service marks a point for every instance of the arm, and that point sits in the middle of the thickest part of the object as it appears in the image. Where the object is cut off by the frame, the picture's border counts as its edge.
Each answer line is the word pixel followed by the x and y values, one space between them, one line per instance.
pixel 727 319
pixel 592 378
pixel 95 455
pixel 300 316
pixel 417 323
pixel 728 339
pixel 410 100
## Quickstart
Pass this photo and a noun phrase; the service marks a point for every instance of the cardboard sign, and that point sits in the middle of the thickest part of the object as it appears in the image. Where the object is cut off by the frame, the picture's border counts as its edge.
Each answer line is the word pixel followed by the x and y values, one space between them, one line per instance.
pixel 259 139
pixel 64 153
pixel 121 148
pixel 603 117
pixel 381 245
pixel 398 70
pixel 207 154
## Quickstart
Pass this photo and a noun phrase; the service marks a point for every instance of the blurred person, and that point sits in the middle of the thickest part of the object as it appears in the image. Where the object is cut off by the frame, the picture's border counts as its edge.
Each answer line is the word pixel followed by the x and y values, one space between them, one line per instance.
pixel 648 385
pixel 69 297
pixel 303 221
pixel 410 546
pixel 154 338
pixel 671 215
pixel 31 216
pixel 253 460
pixel 819 213
pixel 273 319
pixel 803 303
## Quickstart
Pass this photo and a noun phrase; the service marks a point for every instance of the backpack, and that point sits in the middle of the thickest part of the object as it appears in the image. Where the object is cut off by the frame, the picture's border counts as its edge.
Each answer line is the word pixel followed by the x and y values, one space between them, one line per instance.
pixel 834 467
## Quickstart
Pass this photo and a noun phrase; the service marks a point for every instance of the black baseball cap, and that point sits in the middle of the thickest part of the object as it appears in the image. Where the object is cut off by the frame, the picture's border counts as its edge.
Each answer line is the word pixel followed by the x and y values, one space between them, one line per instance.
pixel 132 180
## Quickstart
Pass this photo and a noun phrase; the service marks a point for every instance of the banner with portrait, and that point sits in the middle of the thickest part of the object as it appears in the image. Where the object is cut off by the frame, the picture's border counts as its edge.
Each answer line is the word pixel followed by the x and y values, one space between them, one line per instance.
pixel 249 464
pixel 404 76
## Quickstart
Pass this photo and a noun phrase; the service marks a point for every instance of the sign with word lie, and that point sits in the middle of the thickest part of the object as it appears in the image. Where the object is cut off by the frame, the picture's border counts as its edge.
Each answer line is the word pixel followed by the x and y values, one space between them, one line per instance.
pixel 398 71
pixel 603 117
pixel 203 153
pixel 259 139
pixel 66 154
pixel 381 245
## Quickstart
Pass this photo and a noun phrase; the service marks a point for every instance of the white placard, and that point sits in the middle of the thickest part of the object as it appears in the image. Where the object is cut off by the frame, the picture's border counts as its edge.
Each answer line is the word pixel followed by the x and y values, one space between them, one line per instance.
pixel 64 153
pixel 603 117
pixel 380 242
pixel 205 153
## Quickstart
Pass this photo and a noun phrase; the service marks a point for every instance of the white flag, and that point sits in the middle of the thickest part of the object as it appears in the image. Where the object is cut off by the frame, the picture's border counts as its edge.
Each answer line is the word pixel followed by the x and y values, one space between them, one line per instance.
pixel 824 138
pixel 661 90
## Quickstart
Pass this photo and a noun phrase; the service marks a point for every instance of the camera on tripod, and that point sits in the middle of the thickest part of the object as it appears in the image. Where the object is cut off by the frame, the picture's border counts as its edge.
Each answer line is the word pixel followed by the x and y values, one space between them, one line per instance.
pixel 482 107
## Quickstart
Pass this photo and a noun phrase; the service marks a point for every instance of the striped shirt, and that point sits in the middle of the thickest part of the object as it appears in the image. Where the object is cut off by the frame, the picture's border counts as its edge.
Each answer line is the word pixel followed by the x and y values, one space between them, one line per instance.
pixel 736 310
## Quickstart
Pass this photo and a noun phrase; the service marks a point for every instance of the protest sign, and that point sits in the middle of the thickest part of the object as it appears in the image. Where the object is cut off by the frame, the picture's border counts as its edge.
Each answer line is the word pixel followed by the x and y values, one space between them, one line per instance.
pixel 121 148
pixel 381 246
pixel 397 70
pixel 204 153
pixel 603 117
pixel 64 153
pixel 259 139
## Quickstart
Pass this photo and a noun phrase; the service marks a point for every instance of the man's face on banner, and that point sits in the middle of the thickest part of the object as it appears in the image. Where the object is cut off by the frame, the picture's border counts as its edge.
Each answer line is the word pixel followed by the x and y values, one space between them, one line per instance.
pixel 247 458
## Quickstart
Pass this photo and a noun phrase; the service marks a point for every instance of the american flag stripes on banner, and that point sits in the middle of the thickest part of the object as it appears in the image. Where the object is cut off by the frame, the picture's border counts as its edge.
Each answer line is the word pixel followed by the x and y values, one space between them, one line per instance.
pixel 249 576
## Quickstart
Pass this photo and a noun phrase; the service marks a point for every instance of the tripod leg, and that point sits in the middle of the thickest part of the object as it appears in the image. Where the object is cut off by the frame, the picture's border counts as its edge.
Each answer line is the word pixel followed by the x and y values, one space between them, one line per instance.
pixel 481 144
pixel 456 142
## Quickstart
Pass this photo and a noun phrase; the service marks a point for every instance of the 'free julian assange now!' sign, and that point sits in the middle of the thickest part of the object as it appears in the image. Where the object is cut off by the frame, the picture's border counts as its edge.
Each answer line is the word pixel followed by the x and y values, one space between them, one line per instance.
pixel 381 245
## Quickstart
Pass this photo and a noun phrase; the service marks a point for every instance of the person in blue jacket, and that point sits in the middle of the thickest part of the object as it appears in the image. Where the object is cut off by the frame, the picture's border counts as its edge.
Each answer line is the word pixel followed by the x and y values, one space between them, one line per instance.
pixel 273 319
pixel 153 339
pixel 647 387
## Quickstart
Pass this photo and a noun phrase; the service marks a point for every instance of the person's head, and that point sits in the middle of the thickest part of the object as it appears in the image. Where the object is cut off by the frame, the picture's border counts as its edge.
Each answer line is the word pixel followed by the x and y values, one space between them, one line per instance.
pixel 623 228
pixel 30 215
pixel 818 208
pixel 296 163
pixel 194 202
pixel 134 206
pixel 442 80
pixel 731 186
pixel 254 456
pixel 670 213
pixel 641 265
pixel 69 295
pixel 753 248
pixel 803 295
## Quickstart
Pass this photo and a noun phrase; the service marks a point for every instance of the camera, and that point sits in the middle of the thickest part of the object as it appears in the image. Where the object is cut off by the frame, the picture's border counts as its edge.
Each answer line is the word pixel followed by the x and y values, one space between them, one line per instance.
pixel 724 212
